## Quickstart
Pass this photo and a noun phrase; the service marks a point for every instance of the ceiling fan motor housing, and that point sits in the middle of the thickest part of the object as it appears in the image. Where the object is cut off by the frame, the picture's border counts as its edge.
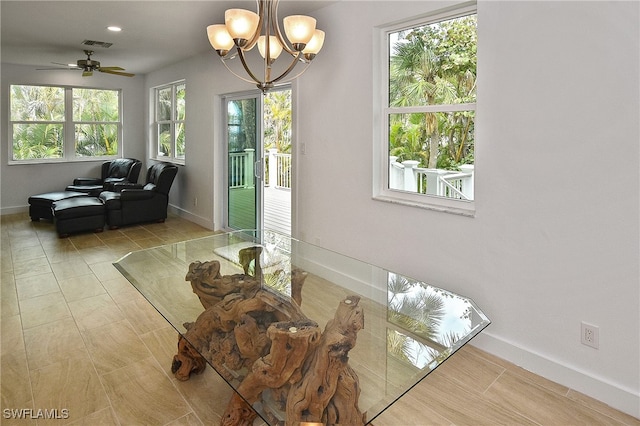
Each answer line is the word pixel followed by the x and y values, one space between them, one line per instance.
pixel 88 64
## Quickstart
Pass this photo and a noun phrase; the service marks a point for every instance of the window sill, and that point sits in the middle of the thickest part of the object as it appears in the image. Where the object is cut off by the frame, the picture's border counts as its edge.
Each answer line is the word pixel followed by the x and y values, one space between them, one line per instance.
pixel 176 161
pixel 444 205
pixel 60 160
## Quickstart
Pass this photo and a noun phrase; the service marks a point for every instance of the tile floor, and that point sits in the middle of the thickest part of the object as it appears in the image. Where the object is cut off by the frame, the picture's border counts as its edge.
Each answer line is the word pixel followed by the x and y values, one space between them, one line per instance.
pixel 77 338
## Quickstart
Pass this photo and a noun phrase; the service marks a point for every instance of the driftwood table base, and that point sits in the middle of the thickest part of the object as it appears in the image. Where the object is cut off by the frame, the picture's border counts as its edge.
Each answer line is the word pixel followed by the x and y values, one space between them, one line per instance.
pixel 260 339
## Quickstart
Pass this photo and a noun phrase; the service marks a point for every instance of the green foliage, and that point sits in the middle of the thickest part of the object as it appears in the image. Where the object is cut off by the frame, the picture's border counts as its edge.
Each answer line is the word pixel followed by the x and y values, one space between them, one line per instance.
pixel 38 116
pixel 242 124
pixel 433 65
pixel 37 103
pixel 35 141
pixel 95 105
pixel 180 140
pixel 407 139
pixel 170 115
pixel 277 120
pixel 164 139
pixel 181 100
pixel 181 97
pixel 163 104
pixel 96 109
pixel 96 139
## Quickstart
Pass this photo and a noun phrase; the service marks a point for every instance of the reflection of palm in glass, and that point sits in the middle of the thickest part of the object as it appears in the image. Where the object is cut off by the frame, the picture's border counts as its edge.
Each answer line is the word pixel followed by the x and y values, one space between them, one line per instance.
pixel 417 308
pixel 275 262
pixel 413 308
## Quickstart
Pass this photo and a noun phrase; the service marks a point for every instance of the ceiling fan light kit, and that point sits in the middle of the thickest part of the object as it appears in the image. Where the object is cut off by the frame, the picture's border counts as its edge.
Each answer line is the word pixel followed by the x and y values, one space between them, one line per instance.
pixel 244 29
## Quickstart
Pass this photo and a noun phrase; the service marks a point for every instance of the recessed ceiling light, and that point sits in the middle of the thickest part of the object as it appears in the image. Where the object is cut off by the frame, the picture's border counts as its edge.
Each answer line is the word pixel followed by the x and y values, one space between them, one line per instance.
pixel 114 28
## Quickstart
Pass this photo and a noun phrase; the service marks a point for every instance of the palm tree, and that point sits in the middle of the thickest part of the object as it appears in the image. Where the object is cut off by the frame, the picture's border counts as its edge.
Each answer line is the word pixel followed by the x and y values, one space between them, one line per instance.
pixel 181 94
pixel 407 140
pixel 414 69
pixel 39 140
pixel 39 111
pixel 96 115
pixel 277 120
pixel 432 65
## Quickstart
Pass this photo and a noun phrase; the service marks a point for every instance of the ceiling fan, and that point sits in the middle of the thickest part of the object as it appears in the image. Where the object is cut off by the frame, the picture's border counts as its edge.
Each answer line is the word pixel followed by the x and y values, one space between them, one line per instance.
pixel 88 66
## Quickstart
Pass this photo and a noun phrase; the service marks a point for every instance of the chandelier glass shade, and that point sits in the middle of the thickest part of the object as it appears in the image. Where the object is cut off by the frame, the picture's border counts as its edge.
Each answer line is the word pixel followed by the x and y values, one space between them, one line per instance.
pixel 243 30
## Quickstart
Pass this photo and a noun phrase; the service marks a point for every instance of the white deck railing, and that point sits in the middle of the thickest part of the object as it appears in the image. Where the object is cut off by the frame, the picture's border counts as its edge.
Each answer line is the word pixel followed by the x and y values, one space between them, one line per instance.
pixel 277 169
pixel 407 176
pixel 241 169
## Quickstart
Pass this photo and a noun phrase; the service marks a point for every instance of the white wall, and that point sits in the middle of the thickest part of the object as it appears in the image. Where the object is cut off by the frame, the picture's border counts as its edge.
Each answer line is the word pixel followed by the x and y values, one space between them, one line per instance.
pixel 555 237
pixel 18 182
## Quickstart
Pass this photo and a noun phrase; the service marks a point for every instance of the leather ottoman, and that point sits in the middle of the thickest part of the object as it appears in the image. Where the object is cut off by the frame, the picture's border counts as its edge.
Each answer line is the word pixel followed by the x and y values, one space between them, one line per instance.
pixel 40 205
pixel 90 190
pixel 78 214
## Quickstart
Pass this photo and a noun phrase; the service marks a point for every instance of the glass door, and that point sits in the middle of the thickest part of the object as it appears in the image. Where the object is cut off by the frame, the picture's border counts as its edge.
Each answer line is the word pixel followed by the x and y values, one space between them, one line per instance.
pixel 259 161
pixel 244 162
pixel 277 139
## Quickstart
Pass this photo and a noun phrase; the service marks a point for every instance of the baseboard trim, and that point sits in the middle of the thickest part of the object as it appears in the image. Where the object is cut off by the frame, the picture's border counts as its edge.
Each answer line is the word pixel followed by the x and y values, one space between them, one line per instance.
pixel 13 210
pixel 206 223
pixel 615 396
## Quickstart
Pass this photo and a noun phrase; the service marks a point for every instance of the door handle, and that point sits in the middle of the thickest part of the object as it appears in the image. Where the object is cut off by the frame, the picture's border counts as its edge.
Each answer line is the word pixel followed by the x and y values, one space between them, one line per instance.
pixel 257 170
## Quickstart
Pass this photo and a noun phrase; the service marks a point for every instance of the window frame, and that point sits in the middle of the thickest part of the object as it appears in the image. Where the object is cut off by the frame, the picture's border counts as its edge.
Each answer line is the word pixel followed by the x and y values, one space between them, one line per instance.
pixel 173 122
pixel 68 125
pixel 382 113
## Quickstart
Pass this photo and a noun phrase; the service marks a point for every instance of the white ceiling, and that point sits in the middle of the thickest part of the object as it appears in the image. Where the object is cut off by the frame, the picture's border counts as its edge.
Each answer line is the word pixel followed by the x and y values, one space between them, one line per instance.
pixel 155 33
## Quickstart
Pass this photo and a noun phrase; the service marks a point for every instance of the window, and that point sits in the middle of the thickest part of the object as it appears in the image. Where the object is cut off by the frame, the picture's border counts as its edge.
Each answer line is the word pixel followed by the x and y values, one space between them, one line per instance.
pixel 63 123
pixel 170 101
pixel 427 140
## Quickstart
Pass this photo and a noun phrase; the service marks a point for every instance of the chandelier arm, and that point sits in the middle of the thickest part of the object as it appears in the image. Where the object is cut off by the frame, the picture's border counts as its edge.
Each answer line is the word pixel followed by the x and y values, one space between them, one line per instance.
pixel 224 62
pixel 278 33
pixel 288 70
pixel 267 44
pixel 246 67
pixel 306 66
pixel 254 39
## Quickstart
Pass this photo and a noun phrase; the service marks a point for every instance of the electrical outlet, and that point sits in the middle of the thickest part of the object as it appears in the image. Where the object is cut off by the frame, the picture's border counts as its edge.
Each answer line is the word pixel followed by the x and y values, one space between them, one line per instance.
pixel 590 335
pixel 195 202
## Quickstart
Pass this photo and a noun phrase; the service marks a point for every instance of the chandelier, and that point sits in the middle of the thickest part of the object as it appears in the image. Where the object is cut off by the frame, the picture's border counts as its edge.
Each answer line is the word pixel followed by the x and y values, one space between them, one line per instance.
pixel 244 30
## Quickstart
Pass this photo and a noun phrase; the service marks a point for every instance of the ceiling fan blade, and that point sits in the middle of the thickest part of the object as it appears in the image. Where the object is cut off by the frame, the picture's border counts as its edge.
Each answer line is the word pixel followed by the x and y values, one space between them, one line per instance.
pixel 87 73
pixel 108 71
pixel 73 67
pixel 59 69
pixel 112 68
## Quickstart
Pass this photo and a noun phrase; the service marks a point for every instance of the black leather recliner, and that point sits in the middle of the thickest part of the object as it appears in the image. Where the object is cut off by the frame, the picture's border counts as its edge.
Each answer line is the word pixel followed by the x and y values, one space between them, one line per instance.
pixel 132 203
pixel 115 171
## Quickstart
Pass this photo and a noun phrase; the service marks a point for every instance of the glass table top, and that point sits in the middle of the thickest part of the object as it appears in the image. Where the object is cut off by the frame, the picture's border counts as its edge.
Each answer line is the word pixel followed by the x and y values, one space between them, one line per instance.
pixel 406 327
